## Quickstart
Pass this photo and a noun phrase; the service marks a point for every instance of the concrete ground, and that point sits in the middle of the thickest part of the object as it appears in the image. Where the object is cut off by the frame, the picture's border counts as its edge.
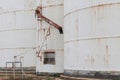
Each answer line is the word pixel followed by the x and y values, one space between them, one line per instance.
pixel 34 77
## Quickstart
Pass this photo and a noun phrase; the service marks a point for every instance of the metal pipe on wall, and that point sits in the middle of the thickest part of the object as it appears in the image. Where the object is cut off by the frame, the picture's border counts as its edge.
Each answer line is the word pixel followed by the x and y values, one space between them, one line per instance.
pixel 53 10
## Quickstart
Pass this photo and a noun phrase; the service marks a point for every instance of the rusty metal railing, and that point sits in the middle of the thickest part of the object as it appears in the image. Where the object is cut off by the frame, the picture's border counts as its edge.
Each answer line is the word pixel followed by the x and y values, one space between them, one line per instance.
pixel 14 67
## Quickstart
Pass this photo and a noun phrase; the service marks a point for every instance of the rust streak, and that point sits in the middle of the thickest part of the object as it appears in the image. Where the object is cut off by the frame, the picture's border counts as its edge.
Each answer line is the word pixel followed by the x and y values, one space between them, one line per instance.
pixel 107 56
pixel 99 41
pixel 92 60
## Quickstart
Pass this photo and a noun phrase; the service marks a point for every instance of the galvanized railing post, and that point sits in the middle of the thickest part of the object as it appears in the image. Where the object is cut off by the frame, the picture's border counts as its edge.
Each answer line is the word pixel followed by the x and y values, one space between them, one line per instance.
pixel 6 69
pixel 13 64
pixel 21 69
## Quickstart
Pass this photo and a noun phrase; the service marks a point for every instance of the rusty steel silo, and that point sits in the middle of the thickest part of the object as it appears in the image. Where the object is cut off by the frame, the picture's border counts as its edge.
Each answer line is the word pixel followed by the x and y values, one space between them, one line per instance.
pixel 50 38
pixel 17 32
pixel 91 34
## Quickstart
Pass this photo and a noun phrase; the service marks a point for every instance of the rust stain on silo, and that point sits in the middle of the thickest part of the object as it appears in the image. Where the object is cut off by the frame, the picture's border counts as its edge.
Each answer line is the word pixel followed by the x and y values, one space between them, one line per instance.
pixel 107 56
pixel 92 60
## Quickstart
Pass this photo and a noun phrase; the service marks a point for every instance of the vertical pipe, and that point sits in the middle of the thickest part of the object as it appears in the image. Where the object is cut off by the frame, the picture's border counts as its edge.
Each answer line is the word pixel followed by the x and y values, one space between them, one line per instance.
pixel 53 42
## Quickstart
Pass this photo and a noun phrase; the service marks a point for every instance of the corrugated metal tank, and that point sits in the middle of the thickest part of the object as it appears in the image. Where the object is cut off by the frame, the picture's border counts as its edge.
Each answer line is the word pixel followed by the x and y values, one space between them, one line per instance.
pixel 53 10
pixel 92 37
pixel 17 32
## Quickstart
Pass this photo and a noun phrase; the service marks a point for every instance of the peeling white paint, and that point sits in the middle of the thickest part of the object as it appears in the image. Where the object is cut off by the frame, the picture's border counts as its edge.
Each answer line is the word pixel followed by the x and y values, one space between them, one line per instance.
pixel 92 35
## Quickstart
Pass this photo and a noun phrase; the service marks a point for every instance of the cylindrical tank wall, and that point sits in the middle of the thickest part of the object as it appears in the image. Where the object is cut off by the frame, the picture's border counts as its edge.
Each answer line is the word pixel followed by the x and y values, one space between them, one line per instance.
pixel 92 36
pixel 17 31
pixel 53 10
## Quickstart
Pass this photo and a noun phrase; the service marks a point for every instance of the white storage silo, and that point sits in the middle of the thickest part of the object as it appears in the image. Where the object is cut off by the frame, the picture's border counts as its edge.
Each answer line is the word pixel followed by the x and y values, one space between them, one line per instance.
pixel 17 32
pixel 50 41
pixel 91 34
